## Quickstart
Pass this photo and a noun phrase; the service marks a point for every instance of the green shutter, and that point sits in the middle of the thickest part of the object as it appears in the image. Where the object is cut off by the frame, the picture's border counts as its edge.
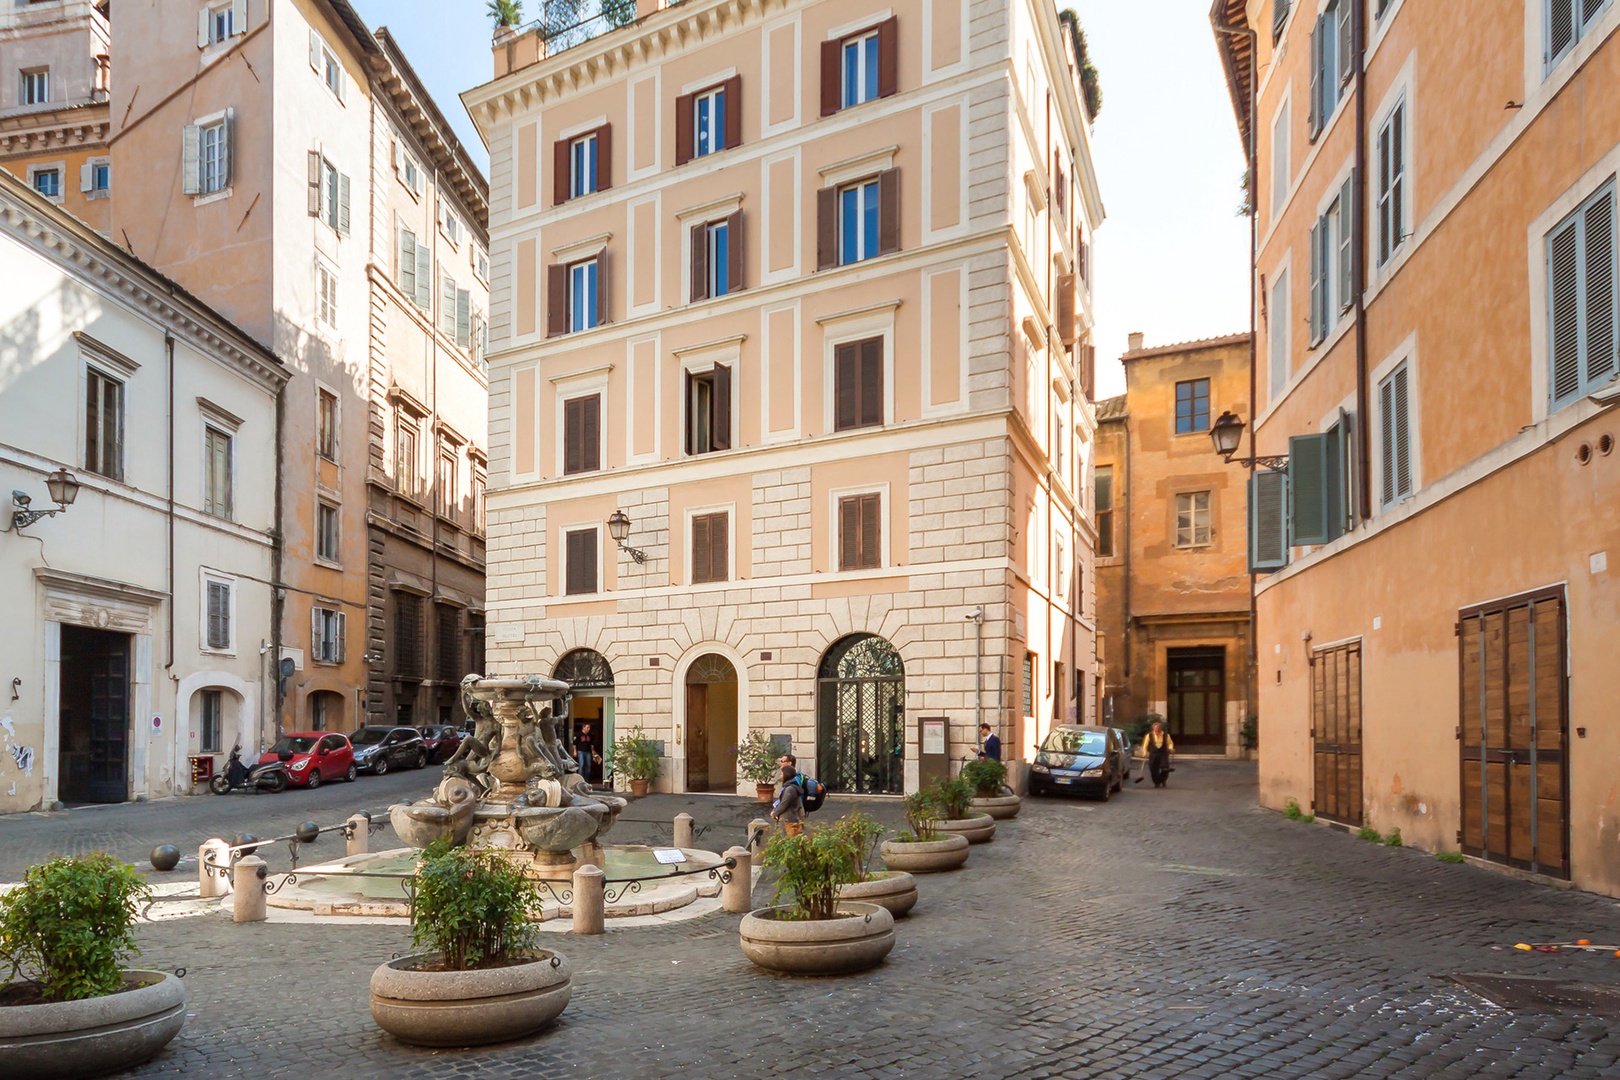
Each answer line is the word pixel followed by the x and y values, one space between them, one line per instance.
pixel 1307 474
pixel 1333 482
pixel 1268 521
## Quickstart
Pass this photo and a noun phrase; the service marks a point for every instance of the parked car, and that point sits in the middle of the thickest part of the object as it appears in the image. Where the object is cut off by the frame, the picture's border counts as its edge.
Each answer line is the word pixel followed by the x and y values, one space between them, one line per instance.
pixel 313 757
pixel 1083 759
pixel 378 749
pixel 1127 754
pixel 441 740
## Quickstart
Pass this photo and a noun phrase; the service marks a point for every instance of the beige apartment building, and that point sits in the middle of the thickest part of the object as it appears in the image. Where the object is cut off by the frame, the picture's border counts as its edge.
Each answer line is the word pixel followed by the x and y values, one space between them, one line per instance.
pixel 789 423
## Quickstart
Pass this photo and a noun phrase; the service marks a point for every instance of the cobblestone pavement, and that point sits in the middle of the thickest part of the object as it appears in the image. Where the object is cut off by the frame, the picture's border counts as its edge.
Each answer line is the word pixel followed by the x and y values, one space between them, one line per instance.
pixel 1181 933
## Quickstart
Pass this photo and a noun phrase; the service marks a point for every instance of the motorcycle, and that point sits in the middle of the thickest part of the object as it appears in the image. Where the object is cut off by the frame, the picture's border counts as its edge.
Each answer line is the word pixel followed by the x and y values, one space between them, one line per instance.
pixel 268 776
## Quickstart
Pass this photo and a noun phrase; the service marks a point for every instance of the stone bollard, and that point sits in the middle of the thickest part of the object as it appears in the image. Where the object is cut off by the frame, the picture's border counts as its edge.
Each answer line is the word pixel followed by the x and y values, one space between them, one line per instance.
pixel 359 834
pixel 249 902
pixel 737 895
pixel 683 831
pixel 590 905
pixel 211 884
pixel 759 831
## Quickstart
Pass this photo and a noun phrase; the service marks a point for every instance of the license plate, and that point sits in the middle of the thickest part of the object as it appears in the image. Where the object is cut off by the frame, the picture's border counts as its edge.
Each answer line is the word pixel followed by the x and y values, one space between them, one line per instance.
pixel 1063 780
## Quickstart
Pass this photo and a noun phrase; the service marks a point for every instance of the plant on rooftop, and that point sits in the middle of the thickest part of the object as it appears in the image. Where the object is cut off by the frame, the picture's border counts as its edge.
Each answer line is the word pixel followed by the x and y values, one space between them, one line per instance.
pixel 506 12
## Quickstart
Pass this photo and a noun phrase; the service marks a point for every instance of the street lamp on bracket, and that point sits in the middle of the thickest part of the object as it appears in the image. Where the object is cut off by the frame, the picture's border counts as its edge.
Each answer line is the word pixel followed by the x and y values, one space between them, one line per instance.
pixel 63 488
pixel 618 524
pixel 1227 435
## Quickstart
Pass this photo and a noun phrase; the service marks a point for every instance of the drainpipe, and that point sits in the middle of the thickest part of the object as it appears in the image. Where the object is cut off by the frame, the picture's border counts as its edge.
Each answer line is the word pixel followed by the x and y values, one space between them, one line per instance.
pixel 1359 261
pixel 168 348
pixel 278 590
pixel 977 615
pixel 1125 636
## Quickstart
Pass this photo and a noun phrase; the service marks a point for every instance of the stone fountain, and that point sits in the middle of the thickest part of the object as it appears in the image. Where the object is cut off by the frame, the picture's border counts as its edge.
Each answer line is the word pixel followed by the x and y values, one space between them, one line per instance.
pixel 512 786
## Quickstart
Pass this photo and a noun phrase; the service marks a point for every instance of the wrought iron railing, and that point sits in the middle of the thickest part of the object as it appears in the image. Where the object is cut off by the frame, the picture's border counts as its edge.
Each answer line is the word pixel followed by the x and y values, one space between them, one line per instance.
pixel 562 24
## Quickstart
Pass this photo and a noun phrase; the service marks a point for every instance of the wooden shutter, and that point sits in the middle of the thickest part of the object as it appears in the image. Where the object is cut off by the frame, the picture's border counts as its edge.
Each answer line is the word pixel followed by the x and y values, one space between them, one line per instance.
pixel 889 56
pixel 1333 482
pixel 191 159
pixel 1065 308
pixel 239 19
pixel 1317 119
pixel 314 183
pixel 888 211
pixel 343 204
pixel 1598 222
pixel 463 318
pixel 871 382
pixel 340 634
pixel 720 409
pixel 826 228
pixel 407 263
pixel 1346 240
pixel 871 531
pixel 602 289
pixel 733 91
pixel 580 575
pixel 424 277
pixel 1561 28
pixel 573 436
pixel 860 532
pixel 1268 521
pixel 700 549
pixel 710 548
pixel 219 599
pixel 227 148
pixel 1318 282
pixel 556 300
pixel 846 386
pixel 447 305
pixel 1346 40
pixel 700 262
pixel 203 29
pixel 734 252
pixel 849 532
pixel 560 166
pixel 1386 441
pixel 1403 432
pixel 1307 478
pixel 604 157
pixel 316 652
pixel 684 122
pixel 832 71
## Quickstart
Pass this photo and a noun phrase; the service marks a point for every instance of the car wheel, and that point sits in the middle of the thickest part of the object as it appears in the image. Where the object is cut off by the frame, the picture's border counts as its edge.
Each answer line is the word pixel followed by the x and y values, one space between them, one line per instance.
pixel 1107 792
pixel 421 759
pixel 348 777
pixel 314 780
pixel 381 767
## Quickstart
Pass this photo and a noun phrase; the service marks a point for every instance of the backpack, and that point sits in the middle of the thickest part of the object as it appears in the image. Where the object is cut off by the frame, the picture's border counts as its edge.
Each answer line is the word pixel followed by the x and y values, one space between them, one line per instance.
pixel 814 792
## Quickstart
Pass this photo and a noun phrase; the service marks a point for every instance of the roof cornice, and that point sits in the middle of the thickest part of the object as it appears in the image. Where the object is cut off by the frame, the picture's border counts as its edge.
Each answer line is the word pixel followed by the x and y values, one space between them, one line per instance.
pixel 70 127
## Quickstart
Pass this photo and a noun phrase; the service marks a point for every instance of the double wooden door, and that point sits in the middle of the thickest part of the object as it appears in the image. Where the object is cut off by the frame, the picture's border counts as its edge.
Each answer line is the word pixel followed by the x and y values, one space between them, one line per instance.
pixel 1336 732
pixel 1514 732
pixel 94 716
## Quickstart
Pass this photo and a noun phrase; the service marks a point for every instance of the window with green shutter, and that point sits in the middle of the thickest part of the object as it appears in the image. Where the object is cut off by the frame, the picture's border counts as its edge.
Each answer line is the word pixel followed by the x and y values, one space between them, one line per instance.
pixel 1268 521
pixel 1395 437
pixel 1316 487
pixel 1581 299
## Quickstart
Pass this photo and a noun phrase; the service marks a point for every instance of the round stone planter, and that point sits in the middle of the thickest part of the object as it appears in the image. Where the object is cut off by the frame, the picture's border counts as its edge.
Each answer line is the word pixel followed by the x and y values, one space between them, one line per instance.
pixel 927 856
pixel 68 1039
pixel 859 938
pixel 978 828
pixel 1000 807
pixel 469 1008
pixel 892 889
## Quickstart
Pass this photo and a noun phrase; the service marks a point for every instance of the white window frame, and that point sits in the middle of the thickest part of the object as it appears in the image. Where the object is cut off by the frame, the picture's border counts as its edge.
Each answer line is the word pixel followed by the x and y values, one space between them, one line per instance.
pixel 868 184
pixel 885 504
pixel 856 326
pixel 1405 354
pixel 337 421
pixel 1401 184
pixel 1193 511
pixel 333 629
pixel 335 559
pixel 1579 31
pixel 329 68
pixel 584 384
pixel 864 57
pixel 88 177
pixel 592 158
pixel 480 261
pixel 209 32
pixel 57 167
pixel 730 510
pixel 229 433
pixel 408 482
pixel 714 129
pixel 219 126
pixel 326 280
pixel 563 532
pixel 208 577
pixel 592 267
pixel 34 86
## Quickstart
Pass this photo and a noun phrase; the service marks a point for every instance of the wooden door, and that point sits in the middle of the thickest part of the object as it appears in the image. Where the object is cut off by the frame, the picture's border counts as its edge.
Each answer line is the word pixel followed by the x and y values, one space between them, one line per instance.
pixel 94 716
pixel 697 737
pixel 1336 732
pixel 1196 702
pixel 1514 732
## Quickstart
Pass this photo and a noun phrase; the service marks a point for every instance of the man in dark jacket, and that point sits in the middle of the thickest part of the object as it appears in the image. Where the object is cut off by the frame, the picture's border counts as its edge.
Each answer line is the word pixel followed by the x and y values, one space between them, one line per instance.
pixel 991 748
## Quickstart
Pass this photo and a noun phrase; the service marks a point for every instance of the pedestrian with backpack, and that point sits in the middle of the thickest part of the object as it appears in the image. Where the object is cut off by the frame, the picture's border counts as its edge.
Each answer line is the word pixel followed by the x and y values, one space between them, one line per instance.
pixel 789 805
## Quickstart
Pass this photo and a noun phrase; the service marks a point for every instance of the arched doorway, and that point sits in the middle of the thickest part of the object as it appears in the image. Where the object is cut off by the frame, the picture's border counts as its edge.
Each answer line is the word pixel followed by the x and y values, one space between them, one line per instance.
pixel 861 713
pixel 591 677
pixel 324 711
pixel 711 724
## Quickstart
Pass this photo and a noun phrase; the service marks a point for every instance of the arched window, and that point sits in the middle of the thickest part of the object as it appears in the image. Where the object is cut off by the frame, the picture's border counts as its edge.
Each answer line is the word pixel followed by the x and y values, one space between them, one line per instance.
pixel 860 736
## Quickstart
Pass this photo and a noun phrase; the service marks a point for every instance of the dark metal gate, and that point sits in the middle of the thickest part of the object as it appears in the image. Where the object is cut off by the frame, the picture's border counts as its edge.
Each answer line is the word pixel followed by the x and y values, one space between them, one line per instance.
pixel 860 743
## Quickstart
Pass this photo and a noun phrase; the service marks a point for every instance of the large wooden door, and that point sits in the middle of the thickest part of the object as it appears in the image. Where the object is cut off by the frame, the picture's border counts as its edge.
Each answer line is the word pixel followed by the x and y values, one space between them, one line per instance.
pixel 1336 732
pixel 1514 732
pixel 1196 702
pixel 697 737
pixel 94 716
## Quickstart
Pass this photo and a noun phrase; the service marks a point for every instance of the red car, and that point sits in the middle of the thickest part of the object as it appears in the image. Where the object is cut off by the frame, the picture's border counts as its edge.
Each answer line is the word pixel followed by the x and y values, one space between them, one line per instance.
pixel 313 757
pixel 441 740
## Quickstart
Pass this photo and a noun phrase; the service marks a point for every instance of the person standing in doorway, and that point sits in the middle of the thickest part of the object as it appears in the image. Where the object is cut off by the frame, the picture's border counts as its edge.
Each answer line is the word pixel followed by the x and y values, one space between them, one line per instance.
pixel 989 744
pixel 1157 746
pixel 584 748
pixel 789 805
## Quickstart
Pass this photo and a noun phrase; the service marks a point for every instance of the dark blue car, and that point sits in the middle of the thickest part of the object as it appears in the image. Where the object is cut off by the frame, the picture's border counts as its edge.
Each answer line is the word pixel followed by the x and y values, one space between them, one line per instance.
pixel 1085 760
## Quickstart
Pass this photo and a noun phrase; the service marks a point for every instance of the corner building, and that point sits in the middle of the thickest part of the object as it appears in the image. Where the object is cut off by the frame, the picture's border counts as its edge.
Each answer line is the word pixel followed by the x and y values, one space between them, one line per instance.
pixel 800 290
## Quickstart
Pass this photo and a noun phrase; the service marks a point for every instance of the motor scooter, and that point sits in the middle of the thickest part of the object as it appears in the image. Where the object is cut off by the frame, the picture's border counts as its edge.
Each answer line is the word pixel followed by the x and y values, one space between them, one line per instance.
pixel 268 776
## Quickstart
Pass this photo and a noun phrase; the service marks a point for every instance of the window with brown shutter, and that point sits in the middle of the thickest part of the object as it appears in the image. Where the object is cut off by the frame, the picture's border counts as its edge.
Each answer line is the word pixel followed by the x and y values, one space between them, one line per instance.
pixel 449 644
pixel 859 220
pixel 710 547
pixel 708 411
pixel 889 212
pixel 556 300
pixel 858 384
pixel 685 128
pixel 826 228
pixel 860 67
pixel 716 257
pixel 582 164
pixel 579 562
pixel 582 434
pixel 860 532
pixel 1065 307
pixel 408 636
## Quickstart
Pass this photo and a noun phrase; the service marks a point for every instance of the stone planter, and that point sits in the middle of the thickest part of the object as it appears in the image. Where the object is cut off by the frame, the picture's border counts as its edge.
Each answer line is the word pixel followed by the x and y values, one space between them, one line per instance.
pixel 892 889
pixel 978 828
pixel 766 794
pixel 98 1035
pixel 859 938
pixel 927 856
pixel 638 788
pixel 469 1008
pixel 1000 807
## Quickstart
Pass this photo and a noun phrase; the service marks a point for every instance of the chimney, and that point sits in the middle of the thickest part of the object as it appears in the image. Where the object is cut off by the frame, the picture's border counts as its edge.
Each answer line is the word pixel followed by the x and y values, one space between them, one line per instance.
pixel 1134 342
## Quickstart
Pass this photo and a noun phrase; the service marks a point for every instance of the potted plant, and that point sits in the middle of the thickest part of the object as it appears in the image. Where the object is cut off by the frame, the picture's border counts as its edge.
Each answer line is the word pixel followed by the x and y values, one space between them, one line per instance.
pixel 481 978
pixel 893 889
pixel 756 761
pixel 954 796
pixel 817 933
pixel 991 795
pixel 924 850
pixel 635 757
pixel 69 1008
pixel 506 14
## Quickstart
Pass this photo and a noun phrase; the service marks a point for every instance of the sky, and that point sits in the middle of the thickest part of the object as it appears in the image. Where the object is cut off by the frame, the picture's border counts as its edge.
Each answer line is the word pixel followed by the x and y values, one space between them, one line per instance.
pixel 1172 257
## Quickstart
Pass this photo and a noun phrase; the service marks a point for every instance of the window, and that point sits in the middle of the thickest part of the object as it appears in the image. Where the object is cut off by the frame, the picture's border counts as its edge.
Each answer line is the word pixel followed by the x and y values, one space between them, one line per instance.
pixel 217 496
pixel 860 75
pixel 217 633
pixel 410 660
pixel 210 734
pixel 328 540
pixel 104 424
pixel 1278 323
pixel 450 224
pixel 582 166
pixel 860 67
pixel 218 23
pixel 858 222
pixel 1581 297
pixel 415 269
pixel 582 434
pixel 406 462
pixel 479 486
pixel 1192 519
pixel 710 544
pixel 95 178
pixel 447 485
pixel 1332 249
pixel 1344 212
pixel 411 175
pixel 583 300
pixel 475 641
pixel 36 87
pixel 326 294
pixel 206 156
pixel 860 532
pixel 326 424
pixel 481 264
pixel 1279 18
pixel 717 257
pixel 326 65
pixel 1028 681
pixel 455 312
pixel 449 620
pixel 326 632
pixel 48 182
pixel 1332 61
pixel 1281 179
pixel 1566 23
pixel 1104 503
pixel 580 561
pixel 1192 406
pixel 1391 150
pixel 858 384
pixel 1395 436
pixel 709 120
pixel 708 410
pixel 328 193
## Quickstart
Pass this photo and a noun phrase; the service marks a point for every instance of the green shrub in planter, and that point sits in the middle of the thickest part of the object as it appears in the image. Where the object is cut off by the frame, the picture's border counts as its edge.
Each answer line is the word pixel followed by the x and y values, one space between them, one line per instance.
pixel 70 924
pixel 635 757
pixel 473 907
pixel 862 835
pixel 812 866
pixel 756 759
pixel 986 776
pixel 953 795
pixel 921 809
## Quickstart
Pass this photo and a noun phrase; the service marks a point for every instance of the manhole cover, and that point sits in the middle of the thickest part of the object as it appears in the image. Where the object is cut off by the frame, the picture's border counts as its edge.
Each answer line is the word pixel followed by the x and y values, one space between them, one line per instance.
pixel 1534 993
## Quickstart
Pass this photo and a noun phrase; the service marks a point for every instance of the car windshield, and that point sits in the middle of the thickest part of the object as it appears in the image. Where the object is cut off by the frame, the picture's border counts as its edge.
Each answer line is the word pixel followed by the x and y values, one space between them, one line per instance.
pixel 293 744
pixel 1071 741
pixel 368 736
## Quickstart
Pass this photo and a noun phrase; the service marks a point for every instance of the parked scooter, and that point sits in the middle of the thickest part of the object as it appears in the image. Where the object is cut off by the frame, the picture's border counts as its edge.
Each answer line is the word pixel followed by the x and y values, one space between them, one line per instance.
pixel 268 776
